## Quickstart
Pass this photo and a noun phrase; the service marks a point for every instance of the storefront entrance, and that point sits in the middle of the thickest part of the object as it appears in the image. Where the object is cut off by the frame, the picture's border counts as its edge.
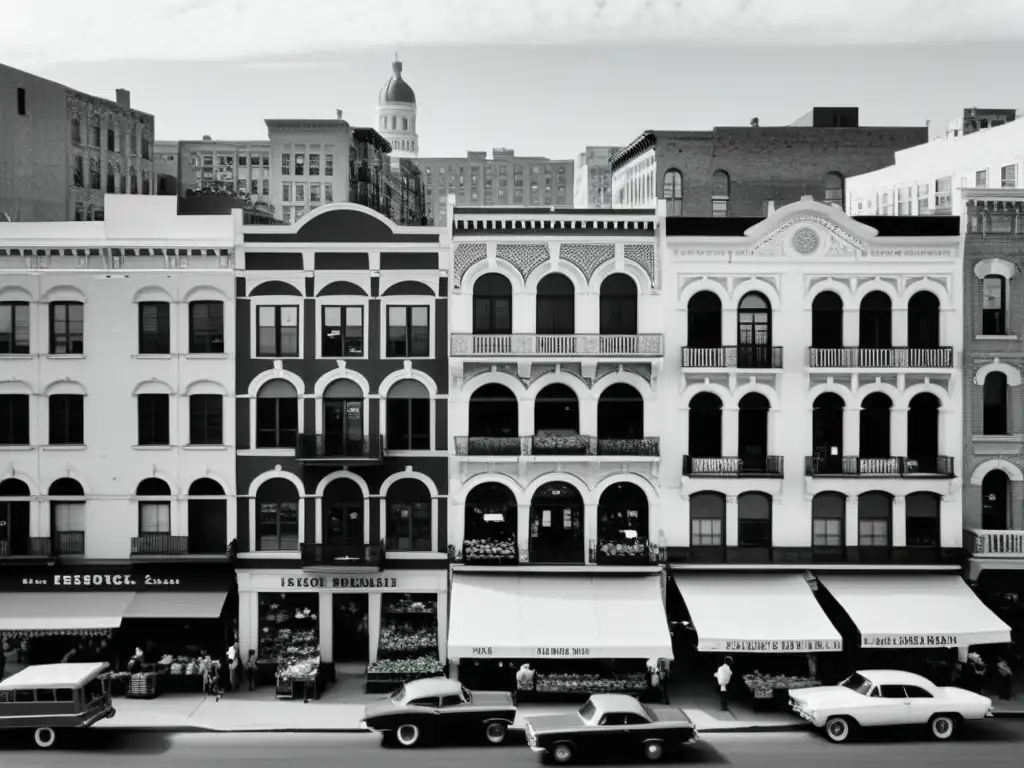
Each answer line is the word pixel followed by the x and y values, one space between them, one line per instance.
pixel 556 525
pixel 351 627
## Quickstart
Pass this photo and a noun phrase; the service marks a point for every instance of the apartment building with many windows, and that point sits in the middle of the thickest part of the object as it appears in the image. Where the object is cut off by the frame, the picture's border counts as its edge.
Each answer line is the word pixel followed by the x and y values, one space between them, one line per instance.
pixel 241 167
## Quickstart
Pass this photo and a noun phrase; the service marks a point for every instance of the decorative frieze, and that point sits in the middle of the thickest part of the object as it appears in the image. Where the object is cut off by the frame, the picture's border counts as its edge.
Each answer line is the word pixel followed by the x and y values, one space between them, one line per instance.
pixel 466 255
pixel 525 257
pixel 587 257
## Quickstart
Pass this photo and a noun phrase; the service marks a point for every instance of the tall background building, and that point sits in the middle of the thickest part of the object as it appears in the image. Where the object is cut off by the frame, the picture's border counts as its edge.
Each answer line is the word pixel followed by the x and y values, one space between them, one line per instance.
pixel 592 185
pixel 396 114
pixel 62 150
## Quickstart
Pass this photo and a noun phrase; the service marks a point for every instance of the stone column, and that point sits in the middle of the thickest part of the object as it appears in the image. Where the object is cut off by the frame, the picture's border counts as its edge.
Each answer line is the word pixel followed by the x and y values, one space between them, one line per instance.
pixel 325 614
pixel 730 431
pixel 373 623
pixel 898 431
pixel 899 521
pixel 732 520
pixel 852 525
pixel 851 431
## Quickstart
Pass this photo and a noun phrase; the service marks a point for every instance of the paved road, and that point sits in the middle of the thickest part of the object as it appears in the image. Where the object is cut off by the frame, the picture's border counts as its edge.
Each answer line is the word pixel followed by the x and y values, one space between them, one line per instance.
pixel 994 744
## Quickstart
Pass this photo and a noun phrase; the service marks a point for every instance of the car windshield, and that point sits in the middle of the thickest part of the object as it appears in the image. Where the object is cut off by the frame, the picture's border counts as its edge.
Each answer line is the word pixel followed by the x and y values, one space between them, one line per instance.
pixel 858 683
pixel 398 696
pixel 648 713
pixel 587 711
pixel 466 695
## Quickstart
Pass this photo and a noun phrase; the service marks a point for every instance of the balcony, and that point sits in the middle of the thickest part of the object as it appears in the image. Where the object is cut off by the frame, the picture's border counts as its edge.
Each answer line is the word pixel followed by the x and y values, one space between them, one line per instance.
pixel 757 357
pixel 889 357
pixel 335 449
pixel 35 548
pixel 343 556
pixel 557 345
pixel 486 551
pixel 164 546
pixel 817 556
pixel 732 466
pixel 69 543
pixel 558 445
pixel 993 544
pixel 1000 222
pixel 892 466
pixel 637 551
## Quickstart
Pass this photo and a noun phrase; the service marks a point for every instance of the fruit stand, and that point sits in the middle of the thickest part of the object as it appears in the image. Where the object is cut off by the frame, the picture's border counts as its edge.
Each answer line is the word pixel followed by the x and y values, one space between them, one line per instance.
pixel 289 645
pixel 766 688
pixel 572 687
pixel 490 551
pixel 407 647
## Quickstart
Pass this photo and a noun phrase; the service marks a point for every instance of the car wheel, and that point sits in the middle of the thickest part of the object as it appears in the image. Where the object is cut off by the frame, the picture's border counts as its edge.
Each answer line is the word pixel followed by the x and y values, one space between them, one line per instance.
pixel 45 737
pixel 654 750
pixel 942 727
pixel 407 734
pixel 495 732
pixel 838 729
pixel 562 753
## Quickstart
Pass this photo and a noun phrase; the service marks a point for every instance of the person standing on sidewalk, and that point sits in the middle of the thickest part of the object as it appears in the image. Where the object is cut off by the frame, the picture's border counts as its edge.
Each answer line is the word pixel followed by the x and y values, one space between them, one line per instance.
pixel 723 677
pixel 251 669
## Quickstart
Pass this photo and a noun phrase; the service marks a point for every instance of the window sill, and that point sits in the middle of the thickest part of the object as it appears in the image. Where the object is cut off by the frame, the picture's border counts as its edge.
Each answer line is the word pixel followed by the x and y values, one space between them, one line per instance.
pixel 267 452
pixel 998 438
pixel 422 555
pixel 16 356
pixel 52 356
pixel 408 357
pixel 343 357
pixel 154 356
pixel 206 355
pixel 258 356
pixel 153 447
pixel 16 447
pixel 994 337
pixel 204 447
pixel 425 453
pixel 275 555
pixel 63 447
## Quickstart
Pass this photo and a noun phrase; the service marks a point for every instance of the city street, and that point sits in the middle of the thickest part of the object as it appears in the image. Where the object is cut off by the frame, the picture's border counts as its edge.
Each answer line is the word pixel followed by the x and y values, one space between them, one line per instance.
pixel 994 743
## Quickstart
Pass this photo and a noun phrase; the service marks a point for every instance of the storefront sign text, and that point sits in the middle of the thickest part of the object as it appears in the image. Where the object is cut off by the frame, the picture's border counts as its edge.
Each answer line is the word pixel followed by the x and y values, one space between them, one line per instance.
pixel 339 582
pixel 563 652
pixel 779 646
pixel 98 580
pixel 911 641
pixel 483 651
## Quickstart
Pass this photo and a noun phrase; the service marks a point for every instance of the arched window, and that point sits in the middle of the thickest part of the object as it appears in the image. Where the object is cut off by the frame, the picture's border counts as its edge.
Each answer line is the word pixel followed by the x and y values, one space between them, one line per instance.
pixel 754 520
pixel 556 525
pixel 409 519
pixel 556 305
pixel 154 511
pixel 754 332
pixel 408 416
pixel 492 304
pixel 618 306
pixel 923 516
pixel 620 418
pixel 704 321
pixel 556 418
pixel 828 520
pixel 673 192
pixel 923 321
pixel 277 516
pixel 493 422
pixel 753 432
pixel 834 189
pixel 491 522
pixel 875 426
pixel 995 409
pixel 993 305
pixel 827 324
pixel 827 434
pixel 207 518
pixel 343 419
pixel 67 516
pixel 995 501
pixel 876 321
pixel 923 433
pixel 15 498
pixel 874 520
pixel 705 428
pixel 719 194
pixel 343 520
pixel 277 415
pixel 622 524
pixel 707 519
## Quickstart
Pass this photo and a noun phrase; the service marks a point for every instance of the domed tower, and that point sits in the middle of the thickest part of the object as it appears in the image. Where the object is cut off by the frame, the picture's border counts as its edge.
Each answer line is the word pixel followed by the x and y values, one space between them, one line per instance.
pixel 396 114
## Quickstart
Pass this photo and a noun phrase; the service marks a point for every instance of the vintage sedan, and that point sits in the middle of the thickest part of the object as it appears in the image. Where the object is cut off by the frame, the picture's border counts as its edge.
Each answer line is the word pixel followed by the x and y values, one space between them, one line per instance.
pixel 610 722
pixel 436 707
pixel 885 697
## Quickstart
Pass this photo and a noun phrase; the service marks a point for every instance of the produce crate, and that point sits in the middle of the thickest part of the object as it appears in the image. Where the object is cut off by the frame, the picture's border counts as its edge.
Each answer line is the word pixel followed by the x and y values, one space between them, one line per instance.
pixel 143 686
pixel 649 695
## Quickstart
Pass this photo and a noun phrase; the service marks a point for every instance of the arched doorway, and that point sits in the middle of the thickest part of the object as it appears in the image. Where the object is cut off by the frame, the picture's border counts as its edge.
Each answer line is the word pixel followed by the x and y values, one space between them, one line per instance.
pixel 556 305
pixel 995 501
pixel 705 427
pixel 754 332
pixel 492 304
pixel 875 415
pixel 491 520
pixel 15 512
pixel 556 421
pixel 67 516
pixel 876 321
pixel 344 521
pixel 556 525
pixel 923 434
pixel 343 419
pixel 493 422
pixel 923 321
pixel 704 321
pixel 827 437
pixel 154 537
pixel 618 302
pixel 620 422
pixel 409 522
pixel 622 526
pixel 207 518
pixel 827 325
pixel 753 433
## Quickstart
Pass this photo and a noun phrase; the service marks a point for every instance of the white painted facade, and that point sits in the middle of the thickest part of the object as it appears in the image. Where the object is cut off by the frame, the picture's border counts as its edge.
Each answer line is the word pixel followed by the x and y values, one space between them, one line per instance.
pixel 90 262
pixel 799 251
pixel 992 158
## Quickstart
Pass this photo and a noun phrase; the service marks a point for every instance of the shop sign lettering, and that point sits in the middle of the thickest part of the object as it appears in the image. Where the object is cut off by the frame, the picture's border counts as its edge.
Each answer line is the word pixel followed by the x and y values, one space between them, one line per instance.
pixel 339 582
pixel 781 646
pixel 483 651
pixel 98 580
pixel 563 652
pixel 912 641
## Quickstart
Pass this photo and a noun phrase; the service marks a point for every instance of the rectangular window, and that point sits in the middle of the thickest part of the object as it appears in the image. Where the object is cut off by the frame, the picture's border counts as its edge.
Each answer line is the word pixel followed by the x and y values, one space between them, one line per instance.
pixel 206 328
pixel 943 195
pixel 922 199
pixel 277 422
pixel 828 532
pixel 69 516
pixel 904 201
pixel 328 193
pixel 266 186
pixel 14 328
pixel 874 533
pixel 67 416
pixel 14 415
pixel 110 140
pixel 314 193
pixel 154 328
pixel 286 192
pixel 242 160
pixel 21 101
pixel 300 193
pixel 754 531
pixel 78 172
pixel 277 332
pixel 206 420
pixel 254 186
pixel 66 328
pixel 408 332
pixel 110 183
pixel 408 426
pixel 706 532
pixel 993 306
pixel 328 165
pixel 154 419
pixel 154 517
pixel 1008 176
pixel 300 164
pixel 286 164
pixel 408 526
pixel 314 165
pixel 94 136
pixel 279 526
pixel 981 179
pixel 342 332
pixel 76 132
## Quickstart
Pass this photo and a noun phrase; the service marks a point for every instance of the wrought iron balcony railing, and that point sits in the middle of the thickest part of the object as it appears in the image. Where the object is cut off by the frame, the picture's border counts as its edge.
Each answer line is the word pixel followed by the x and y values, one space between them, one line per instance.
pixel 887 357
pixel 639 345
pixel 159 545
pixel 558 445
pixel 69 542
pixel 313 448
pixel 34 546
pixel 343 555
pixel 743 356
pixel 732 466
pixel 891 466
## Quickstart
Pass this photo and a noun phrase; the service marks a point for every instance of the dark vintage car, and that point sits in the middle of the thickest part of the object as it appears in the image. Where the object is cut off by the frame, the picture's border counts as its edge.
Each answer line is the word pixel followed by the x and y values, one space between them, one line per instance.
pixel 610 722
pixel 436 708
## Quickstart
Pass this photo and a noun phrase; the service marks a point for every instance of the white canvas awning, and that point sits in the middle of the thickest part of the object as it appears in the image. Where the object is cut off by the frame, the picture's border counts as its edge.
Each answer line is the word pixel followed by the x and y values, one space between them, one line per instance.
pixel 915 610
pixel 576 616
pixel 62 611
pixel 756 613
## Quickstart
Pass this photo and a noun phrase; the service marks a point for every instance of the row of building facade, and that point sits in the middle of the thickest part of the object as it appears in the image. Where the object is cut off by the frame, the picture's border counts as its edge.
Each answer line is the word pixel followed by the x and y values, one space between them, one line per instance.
pixel 346 405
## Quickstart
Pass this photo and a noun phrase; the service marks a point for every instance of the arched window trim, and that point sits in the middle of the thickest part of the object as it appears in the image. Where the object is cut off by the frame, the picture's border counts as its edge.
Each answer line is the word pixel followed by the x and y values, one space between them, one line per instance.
pixel 754 525
pixel 703 530
pixel 835 195
pixel 996 410
pixel 995 289
pixel 831 534
pixel 720 193
pixel 672 191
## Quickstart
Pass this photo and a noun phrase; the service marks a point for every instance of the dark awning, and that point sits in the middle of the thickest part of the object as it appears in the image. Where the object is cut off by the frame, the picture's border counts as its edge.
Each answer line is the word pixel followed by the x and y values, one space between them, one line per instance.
pixel 176 605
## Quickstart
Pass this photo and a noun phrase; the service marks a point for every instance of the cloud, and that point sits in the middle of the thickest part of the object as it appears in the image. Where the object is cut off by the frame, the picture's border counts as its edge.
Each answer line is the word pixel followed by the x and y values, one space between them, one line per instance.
pixel 105 30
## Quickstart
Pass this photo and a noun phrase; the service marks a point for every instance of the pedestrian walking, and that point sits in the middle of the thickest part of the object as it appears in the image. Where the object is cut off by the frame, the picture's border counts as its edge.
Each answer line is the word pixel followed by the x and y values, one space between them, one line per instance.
pixel 723 677
pixel 251 669
pixel 1004 679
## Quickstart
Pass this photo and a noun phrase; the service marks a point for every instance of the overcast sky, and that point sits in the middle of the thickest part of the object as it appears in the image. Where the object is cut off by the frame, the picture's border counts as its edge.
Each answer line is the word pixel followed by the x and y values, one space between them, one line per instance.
pixel 542 76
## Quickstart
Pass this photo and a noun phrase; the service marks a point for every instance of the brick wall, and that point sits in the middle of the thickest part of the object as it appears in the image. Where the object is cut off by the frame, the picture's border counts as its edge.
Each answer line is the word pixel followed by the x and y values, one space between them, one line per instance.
pixel 979 352
pixel 780 164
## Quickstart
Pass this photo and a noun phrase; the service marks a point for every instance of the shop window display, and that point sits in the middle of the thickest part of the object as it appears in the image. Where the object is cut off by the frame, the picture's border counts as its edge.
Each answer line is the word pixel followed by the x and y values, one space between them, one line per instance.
pixel 490 534
pixel 407 648
pixel 289 638
pixel 622 526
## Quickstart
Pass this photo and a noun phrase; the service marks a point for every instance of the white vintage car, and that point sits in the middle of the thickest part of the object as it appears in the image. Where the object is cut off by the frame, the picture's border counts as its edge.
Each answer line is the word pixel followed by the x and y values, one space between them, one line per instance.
pixel 886 697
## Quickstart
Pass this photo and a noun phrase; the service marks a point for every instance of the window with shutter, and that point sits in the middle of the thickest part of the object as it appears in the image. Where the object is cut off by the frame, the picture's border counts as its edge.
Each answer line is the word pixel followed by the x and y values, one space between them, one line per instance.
pixel 154 517
pixel 69 516
pixel 154 328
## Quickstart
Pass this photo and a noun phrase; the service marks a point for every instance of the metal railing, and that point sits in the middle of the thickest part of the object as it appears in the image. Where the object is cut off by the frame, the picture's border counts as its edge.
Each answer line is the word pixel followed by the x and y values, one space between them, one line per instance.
pixel 558 445
pixel 556 345
pixel 36 546
pixel 891 466
pixel 732 466
pixel 743 356
pixel 991 543
pixel 887 357
pixel 343 555
pixel 310 447
pixel 160 544
pixel 69 542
